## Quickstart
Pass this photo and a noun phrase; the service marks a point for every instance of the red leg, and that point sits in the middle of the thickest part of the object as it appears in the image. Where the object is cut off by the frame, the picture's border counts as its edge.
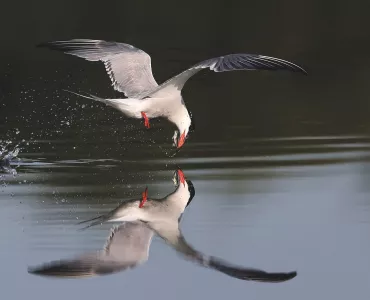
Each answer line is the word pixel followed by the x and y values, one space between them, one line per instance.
pixel 146 120
pixel 144 197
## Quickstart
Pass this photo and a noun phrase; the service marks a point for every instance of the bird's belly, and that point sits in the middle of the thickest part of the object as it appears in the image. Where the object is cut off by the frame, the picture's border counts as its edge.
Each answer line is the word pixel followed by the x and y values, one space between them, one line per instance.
pixel 161 107
pixel 129 111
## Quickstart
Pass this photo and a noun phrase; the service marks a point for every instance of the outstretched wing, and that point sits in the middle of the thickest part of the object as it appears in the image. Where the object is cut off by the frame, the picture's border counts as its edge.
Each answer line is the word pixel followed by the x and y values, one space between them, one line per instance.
pixel 127 246
pixel 231 62
pixel 129 68
pixel 170 232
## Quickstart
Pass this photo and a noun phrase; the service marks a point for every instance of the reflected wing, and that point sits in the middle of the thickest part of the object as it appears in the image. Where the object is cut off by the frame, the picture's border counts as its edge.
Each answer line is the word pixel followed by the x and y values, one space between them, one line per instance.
pixel 129 68
pixel 170 232
pixel 231 62
pixel 127 246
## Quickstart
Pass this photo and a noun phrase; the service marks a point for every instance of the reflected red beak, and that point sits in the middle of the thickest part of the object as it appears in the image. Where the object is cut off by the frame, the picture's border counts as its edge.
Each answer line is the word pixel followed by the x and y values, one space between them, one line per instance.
pixel 181 176
pixel 181 140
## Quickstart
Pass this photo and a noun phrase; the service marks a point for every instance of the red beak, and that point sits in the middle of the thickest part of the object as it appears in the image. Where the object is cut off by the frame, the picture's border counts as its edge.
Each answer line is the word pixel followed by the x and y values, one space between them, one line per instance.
pixel 181 140
pixel 181 176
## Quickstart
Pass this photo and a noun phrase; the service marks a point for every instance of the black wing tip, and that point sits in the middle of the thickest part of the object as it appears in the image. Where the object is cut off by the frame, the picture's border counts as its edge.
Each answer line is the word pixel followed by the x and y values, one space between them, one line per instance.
pixel 46 44
pixel 41 271
pixel 285 276
pixel 33 270
pixel 274 63
pixel 274 277
pixel 301 70
pixel 292 68
pixel 61 269
pixel 58 45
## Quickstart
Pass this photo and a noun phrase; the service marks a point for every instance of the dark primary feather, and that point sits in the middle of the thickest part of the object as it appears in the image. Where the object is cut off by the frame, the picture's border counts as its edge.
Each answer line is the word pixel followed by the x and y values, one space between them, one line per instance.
pixel 126 247
pixel 240 61
pixel 242 273
pixel 231 62
pixel 79 268
pixel 171 233
pixel 248 273
pixel 65 268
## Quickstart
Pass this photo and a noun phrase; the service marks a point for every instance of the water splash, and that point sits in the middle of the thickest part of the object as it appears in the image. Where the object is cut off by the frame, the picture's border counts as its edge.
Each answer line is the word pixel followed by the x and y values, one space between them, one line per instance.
pixel 8 155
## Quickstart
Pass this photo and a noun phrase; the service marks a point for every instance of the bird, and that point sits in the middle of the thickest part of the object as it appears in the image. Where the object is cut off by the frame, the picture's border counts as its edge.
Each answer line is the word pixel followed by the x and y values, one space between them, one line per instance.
pixel 128 244
pixel 129 69
pixel 137 209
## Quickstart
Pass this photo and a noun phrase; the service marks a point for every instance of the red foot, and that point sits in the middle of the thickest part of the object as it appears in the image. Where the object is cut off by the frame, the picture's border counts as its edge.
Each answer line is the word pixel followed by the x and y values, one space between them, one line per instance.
pixel 181 176
pixel 146 120
pixel 144 197
pixel 181 140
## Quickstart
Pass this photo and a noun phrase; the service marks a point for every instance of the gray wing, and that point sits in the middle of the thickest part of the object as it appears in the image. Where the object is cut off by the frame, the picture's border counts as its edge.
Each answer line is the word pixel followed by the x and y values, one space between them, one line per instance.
pixel 170 232
pixel 127 246
pixel 231 62
pixel 129 68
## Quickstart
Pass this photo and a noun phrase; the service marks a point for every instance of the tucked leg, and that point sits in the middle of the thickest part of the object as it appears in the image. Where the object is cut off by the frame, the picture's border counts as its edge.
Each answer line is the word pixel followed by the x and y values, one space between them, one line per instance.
pixel 144 197
pixel 146 120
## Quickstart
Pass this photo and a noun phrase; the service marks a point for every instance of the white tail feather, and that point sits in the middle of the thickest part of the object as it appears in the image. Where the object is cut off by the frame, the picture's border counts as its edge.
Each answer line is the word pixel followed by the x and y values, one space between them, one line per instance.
pixel 92 97
pixel 129 107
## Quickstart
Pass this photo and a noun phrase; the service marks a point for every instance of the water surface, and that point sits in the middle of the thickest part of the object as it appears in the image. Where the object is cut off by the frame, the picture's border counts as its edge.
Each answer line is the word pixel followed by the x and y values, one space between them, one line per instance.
pixel 299 203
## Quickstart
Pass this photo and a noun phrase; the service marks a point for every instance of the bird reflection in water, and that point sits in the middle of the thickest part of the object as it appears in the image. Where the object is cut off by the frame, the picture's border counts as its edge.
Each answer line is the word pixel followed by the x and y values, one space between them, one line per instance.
pixel 128 244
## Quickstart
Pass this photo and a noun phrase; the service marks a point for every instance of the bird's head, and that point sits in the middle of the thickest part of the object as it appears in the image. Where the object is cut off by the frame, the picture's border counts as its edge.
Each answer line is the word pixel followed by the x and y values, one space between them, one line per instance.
pixel 184 127
pixel 180 180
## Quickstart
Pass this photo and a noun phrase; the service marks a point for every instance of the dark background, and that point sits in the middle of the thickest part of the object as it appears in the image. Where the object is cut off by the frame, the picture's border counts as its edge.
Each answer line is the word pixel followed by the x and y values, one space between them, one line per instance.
pixel 279 160
pixel 330 39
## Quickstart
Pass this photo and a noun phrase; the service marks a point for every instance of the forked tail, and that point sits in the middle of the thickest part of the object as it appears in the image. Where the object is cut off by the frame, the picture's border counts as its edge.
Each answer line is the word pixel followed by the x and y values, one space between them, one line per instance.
pixel 94 221
pixel 89 96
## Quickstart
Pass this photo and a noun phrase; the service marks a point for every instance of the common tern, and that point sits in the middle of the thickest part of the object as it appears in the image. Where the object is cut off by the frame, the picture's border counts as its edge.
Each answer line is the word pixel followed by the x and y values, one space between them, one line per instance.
pixel 128 245
pixel 129 69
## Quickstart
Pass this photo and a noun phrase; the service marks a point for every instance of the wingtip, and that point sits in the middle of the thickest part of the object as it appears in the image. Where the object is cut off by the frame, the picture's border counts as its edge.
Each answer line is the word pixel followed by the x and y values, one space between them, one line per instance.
pixel 290 275
pixel 31 270
pixel 36 270
pixel 279 277
pixel 44 44
pixel 54 45
pixel 298 69
pixel 58 270
pixel 303 71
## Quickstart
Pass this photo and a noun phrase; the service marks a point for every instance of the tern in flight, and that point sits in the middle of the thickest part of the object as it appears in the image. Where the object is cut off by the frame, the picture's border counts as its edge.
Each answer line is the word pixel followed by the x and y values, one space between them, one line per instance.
pixel 129 69
pixel 128 245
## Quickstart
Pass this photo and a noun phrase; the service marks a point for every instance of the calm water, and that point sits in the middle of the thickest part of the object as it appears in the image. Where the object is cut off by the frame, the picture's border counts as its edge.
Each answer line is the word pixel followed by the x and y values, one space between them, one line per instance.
pixel 299 203
pixel 280 161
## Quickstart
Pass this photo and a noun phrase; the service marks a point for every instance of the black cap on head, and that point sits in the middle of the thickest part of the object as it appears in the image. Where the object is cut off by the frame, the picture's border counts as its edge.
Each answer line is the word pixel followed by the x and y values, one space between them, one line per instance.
pixel 191 191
